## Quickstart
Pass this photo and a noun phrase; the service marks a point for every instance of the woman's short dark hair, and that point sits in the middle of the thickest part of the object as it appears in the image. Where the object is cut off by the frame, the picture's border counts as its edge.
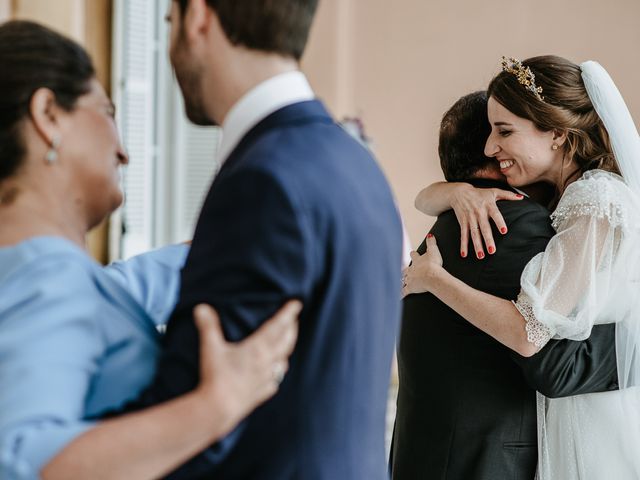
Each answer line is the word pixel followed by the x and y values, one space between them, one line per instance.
pixel 34 57
pixel 463 133
pixel 274 26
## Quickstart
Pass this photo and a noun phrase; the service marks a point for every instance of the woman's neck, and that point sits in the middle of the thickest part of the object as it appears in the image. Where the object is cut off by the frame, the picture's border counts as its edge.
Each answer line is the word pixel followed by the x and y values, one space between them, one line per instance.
pixel 29 215
pixel 566 175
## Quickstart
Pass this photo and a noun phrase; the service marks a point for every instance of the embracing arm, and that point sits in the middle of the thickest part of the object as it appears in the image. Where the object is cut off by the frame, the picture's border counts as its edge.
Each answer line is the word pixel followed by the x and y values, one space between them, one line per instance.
pixel 474 208
pixel 563 288
pixel 140 445
pixel 493 315
pixel 438 197
pixel 567 367
pixel 150 443
pixel 52 347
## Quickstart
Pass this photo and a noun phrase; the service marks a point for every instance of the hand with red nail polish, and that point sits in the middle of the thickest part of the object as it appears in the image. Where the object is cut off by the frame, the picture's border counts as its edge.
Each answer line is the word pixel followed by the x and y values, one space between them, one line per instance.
pixel 475 209
pixel 418 277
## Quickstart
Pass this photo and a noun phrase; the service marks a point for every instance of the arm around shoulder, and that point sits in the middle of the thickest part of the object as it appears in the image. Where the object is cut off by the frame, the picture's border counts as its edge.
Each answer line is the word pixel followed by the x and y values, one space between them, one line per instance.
pixel 437 197
pixel 566 367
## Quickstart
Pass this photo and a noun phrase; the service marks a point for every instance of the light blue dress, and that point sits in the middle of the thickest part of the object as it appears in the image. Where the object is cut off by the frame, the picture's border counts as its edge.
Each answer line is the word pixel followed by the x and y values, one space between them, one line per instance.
pixel 76 340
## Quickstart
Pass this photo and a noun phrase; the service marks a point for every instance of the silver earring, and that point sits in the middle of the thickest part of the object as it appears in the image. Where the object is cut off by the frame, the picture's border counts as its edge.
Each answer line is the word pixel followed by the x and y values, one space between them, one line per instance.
pixel 52 155
pixel 554 146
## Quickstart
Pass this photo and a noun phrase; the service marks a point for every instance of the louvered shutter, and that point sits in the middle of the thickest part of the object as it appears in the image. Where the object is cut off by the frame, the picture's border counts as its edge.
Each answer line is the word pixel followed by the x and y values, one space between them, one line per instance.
pixel 195 165
pixel 172 161
pixel 133 68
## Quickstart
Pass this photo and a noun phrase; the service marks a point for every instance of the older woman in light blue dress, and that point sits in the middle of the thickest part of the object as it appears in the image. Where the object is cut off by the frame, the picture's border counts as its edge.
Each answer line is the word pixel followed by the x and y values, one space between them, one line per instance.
pixel 77 340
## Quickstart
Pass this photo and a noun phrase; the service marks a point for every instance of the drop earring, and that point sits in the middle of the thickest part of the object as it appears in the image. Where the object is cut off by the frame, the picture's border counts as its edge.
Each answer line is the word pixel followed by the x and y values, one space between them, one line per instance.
pixel 52 155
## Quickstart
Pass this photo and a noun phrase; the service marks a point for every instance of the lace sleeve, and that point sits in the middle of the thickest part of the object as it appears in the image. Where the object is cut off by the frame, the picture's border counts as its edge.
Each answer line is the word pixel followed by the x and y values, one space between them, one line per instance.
pixel 537 333
pixel 574 283
pixel 598 194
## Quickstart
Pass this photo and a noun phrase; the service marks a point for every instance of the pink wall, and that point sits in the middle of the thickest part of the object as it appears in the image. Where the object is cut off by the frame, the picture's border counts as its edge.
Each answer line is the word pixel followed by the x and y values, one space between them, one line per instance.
pixel 400 64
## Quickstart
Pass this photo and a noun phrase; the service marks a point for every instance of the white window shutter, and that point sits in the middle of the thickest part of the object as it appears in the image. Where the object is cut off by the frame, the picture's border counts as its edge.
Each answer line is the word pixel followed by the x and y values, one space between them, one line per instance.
pixel 134 68
pixel 172 161
pixel 195 165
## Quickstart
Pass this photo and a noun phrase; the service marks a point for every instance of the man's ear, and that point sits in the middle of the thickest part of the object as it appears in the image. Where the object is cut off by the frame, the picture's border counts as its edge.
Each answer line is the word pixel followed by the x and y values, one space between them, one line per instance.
pixel 559 137
pixel 45 114
pixel 196 19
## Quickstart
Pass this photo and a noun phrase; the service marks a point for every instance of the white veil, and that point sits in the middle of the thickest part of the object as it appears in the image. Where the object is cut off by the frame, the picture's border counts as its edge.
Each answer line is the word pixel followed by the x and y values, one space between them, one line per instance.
pixel 625 142
pixel 596 436
pixel 613 112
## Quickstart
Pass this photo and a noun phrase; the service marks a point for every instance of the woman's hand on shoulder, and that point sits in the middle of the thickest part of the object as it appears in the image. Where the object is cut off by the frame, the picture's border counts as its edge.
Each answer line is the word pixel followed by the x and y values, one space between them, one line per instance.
pixel 474 208
pixel 237 377
pixel 420 275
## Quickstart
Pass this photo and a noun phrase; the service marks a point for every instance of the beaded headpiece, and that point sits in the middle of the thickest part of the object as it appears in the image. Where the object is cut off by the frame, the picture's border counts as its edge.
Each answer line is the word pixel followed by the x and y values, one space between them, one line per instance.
pixel 524 75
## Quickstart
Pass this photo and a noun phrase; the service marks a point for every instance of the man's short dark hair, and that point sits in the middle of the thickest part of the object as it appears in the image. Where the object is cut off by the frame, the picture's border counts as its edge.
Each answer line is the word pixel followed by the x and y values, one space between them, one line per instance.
pixel 463 133
pixel 274 26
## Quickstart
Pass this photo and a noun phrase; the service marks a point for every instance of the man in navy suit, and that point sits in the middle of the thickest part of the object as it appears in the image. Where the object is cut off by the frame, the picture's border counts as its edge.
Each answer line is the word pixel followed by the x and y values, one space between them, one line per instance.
pixel 298 210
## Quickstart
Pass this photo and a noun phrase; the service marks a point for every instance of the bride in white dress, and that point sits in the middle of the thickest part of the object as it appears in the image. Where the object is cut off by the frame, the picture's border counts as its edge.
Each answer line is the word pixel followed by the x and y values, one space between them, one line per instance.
pixel 567 125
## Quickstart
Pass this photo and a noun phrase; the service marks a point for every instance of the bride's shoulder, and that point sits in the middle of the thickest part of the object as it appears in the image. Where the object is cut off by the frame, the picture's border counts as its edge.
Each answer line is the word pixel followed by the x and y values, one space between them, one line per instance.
pixel 599 194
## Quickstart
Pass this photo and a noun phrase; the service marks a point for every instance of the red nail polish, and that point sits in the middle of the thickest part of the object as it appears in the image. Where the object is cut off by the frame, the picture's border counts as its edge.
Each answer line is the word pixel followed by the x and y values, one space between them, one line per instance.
pixel 480 255
pixel 503 230
pixel 492 250
pixel 429 235
pixel 463 254
pixel 520 196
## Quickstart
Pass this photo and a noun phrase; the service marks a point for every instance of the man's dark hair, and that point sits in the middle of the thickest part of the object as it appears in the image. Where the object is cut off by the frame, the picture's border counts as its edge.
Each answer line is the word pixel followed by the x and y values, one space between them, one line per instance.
pixel 463 133
pixel 274 26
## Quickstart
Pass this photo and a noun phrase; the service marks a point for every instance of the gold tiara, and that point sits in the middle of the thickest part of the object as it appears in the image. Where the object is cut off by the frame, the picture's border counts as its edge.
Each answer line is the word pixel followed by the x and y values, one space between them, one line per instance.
pixel 524 75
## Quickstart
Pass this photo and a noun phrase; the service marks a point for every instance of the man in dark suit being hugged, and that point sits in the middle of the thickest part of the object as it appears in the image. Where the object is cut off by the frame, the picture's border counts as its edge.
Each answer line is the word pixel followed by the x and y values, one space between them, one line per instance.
pixel 466 403
pixel 298 210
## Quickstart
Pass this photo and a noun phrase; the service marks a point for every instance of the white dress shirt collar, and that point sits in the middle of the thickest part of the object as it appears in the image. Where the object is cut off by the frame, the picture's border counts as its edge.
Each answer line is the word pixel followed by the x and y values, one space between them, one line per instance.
pixel 257 104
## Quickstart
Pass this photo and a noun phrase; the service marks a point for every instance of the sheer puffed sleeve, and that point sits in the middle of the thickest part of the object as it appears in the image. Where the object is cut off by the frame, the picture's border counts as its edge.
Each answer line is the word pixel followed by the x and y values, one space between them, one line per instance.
pixel 576 282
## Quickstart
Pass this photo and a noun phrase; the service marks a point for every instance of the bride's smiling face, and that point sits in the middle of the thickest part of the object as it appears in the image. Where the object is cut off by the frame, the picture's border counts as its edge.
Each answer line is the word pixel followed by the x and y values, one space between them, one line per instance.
pixel 524 152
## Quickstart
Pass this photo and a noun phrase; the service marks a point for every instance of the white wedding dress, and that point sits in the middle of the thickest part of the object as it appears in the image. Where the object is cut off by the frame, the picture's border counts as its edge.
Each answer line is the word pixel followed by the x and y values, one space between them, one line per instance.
pixel 589 274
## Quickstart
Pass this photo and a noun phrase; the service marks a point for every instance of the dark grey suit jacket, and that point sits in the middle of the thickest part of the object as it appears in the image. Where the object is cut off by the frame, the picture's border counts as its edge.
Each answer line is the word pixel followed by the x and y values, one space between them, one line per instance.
pixel 466 404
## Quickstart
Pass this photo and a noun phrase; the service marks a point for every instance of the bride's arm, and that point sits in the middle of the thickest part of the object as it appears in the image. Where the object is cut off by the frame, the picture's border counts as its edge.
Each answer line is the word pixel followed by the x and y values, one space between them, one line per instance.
pixel 438 197
pixel 493 315
pixel 563 288
pixel 474 207
pixel 235 378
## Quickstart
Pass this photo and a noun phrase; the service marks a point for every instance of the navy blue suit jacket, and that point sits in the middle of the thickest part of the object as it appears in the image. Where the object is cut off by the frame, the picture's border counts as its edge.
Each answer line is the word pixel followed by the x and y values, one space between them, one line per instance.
pixel 299 210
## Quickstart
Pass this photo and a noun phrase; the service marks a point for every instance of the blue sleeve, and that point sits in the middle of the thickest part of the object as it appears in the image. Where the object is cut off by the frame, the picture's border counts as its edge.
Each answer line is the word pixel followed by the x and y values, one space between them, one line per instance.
pixel 153 279
pixel 50 347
